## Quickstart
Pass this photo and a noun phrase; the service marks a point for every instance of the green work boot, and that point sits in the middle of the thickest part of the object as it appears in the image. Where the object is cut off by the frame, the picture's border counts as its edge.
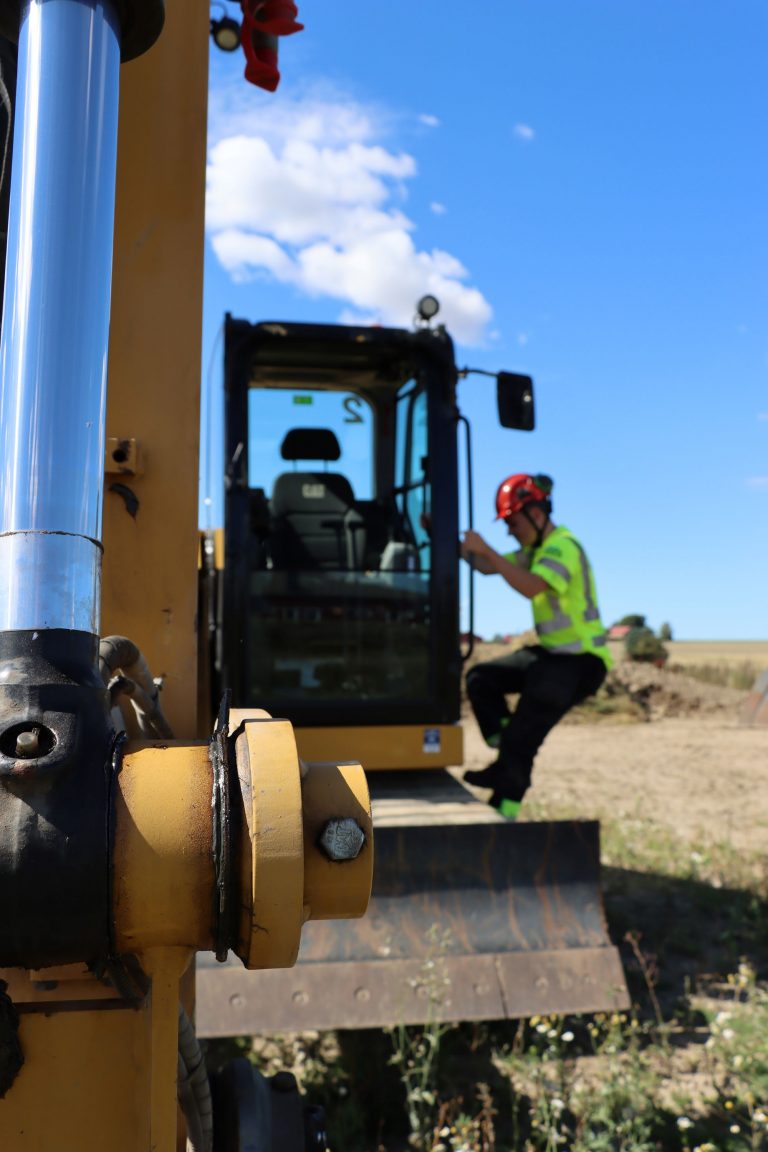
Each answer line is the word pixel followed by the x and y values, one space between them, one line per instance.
pixel 509 809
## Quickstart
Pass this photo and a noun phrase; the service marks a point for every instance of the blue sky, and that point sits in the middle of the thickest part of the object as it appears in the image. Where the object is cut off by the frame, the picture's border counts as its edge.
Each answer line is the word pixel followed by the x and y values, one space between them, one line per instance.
pixel 584 186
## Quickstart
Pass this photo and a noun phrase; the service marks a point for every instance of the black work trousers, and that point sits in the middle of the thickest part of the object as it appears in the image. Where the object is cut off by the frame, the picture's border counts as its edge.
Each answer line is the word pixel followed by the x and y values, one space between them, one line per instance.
pixel 549 684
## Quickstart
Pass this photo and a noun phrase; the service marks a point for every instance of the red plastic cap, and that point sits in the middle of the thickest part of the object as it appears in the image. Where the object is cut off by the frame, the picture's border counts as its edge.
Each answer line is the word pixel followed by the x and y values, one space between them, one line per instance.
pixel 263 22
pixel 275 17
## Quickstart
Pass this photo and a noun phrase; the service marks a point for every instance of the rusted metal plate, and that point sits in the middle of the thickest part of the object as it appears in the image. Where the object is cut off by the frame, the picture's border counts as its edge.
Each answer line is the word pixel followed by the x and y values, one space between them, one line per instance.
pixel 378 993
pixel 467 922
pixel 491 888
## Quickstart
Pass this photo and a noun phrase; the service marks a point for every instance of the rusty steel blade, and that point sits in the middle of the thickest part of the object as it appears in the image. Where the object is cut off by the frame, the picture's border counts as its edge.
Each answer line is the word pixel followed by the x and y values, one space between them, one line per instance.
pixel 467 922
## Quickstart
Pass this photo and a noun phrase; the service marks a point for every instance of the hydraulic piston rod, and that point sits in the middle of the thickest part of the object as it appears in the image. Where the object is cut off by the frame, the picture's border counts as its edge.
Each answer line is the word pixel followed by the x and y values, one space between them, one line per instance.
pixel 53 351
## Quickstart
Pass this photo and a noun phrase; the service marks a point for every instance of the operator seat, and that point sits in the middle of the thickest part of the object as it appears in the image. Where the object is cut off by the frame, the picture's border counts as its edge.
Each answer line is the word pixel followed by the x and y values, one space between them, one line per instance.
pixel 314 520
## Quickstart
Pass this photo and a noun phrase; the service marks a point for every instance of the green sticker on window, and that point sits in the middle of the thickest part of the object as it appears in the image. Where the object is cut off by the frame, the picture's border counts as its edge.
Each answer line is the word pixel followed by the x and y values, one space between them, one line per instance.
pixel 303 399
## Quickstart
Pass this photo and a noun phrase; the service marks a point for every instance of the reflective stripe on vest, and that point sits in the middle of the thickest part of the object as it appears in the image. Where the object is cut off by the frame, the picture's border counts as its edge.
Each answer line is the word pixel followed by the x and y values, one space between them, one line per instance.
pixel 575 647
pixel 559 618
pixel 554 566
pixel 558 632
pixel 591 612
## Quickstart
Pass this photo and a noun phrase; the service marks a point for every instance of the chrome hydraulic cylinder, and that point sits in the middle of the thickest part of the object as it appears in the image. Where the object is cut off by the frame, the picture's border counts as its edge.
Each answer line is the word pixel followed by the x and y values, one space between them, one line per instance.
pixel 56 736
pixel 53 349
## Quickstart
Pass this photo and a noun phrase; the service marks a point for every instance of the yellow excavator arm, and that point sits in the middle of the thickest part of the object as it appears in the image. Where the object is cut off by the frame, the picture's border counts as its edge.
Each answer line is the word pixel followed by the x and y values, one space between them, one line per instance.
pixel 131 834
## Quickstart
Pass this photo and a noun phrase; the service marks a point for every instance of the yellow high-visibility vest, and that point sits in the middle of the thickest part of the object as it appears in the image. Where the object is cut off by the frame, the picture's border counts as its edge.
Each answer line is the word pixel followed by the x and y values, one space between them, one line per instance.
pixel 566 617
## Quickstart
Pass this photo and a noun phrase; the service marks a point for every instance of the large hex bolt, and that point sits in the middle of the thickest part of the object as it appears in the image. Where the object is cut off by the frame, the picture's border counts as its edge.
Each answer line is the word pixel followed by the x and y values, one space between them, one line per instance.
pixel 342 839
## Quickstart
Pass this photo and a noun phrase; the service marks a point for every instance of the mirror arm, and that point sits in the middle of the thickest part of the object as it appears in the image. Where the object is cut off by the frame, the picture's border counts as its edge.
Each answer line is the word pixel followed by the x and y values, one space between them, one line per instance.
pixel 462 373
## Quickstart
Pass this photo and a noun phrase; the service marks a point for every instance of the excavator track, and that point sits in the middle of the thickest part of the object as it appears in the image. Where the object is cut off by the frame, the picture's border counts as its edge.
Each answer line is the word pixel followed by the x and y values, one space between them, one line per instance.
pixel 472 917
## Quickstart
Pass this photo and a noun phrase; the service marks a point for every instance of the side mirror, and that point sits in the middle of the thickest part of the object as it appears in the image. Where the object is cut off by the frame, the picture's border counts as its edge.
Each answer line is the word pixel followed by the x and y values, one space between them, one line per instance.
pixel 514 397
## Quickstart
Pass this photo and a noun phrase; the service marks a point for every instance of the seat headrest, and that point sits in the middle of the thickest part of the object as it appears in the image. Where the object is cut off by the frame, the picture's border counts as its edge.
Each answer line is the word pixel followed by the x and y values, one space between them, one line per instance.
pixel 311 492
pixel 310 444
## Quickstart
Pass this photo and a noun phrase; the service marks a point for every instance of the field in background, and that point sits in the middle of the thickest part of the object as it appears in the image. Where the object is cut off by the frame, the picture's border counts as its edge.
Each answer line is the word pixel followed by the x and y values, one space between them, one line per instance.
pixel 714 652
pixel 728 663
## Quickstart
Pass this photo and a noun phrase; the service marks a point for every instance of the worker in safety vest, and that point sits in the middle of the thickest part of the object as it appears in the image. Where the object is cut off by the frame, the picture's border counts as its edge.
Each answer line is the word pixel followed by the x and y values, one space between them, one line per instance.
pixel 571 659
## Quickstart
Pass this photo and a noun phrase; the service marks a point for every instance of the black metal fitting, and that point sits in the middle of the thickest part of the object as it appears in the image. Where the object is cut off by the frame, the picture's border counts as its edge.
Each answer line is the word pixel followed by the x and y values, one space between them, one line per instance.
pixel 11 1055
pixel 56 739
pixel 225 932
pixel 141 22
pixel 264 1113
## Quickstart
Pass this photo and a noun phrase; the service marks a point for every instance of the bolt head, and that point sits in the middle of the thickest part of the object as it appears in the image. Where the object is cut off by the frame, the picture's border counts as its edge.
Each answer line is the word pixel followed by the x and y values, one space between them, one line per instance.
pixel 342 839
pixel 28 743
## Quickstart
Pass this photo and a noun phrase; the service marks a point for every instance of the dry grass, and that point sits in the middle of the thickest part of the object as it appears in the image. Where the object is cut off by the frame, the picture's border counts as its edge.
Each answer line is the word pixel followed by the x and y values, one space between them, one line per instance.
pixel 702 652
pixel 718 652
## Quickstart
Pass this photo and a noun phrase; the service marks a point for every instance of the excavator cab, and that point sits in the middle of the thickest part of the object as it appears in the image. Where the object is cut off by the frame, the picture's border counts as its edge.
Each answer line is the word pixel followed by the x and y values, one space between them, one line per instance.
pixel 341 568
pixel 338 608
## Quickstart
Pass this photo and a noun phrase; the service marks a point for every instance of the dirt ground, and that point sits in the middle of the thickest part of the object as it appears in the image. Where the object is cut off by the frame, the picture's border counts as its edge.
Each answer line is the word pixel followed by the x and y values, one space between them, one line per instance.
pixel 657 751
pixel 679 784
pixel 684 760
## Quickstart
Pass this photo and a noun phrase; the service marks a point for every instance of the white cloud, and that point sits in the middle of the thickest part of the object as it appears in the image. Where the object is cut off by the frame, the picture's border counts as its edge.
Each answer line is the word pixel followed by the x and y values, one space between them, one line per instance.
pixel 762 415
pixel 522 339
pixel 524 131
pixel 326 116
pixel 236 251
pixel 760 483
pixel 305 191
pixel 438 208
pixel 429 120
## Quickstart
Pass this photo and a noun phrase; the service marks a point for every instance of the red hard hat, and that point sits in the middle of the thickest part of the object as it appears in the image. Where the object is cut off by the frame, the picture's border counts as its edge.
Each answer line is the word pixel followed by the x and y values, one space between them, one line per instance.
pixel 521 489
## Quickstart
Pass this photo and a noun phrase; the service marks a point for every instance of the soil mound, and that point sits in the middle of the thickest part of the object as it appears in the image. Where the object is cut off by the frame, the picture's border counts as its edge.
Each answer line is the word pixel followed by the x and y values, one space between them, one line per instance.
pixel 668 692
pixel 638 691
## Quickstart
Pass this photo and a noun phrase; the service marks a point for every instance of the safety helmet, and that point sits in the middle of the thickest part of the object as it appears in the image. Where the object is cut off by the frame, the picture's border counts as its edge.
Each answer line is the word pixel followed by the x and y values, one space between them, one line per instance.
pixel 520 491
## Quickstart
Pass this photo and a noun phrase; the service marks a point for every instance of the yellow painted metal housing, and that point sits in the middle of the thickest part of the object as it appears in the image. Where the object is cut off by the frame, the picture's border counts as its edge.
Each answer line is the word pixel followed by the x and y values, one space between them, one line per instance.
pixel 164 896
pixel 285 879
pixel 334 891
pixel 85 1085
pixel 104 1077
pixel 389 747
pixel 149 585
pixel 100 1069
pixel 163 870
pixel 164 879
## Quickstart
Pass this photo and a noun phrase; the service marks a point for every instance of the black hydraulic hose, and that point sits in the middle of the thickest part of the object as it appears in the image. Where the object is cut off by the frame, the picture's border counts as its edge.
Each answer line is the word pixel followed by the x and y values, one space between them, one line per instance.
pixel 194 1090
pixel 470 523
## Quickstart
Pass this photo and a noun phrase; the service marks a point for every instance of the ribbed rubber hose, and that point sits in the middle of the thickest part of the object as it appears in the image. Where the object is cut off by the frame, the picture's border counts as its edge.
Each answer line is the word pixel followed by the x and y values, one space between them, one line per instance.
pixel 118 654
pixel 194 1090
